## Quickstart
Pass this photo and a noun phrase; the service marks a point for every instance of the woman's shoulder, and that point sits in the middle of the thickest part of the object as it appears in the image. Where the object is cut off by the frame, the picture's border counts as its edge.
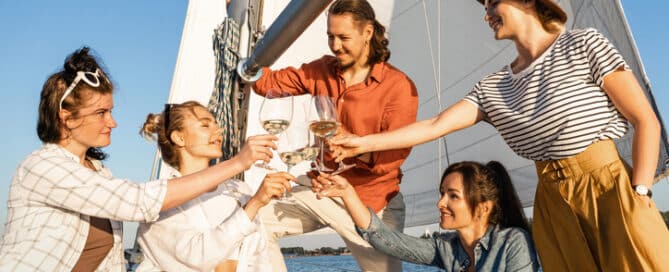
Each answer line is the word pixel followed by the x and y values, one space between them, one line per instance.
pixel 578 36
pixel 512 231
pixel 49 154
pixel 446 236
pixel 513 235
pixel 583 31
pixel 491 81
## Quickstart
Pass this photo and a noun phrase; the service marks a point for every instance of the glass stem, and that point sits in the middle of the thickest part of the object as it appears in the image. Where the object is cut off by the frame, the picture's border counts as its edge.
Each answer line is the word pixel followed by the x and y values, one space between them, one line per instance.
pixel 322 165
pixel 285 192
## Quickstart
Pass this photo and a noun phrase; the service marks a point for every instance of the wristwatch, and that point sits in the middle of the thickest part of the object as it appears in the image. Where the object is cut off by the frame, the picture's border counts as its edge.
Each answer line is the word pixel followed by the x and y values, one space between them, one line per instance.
pixel 642 190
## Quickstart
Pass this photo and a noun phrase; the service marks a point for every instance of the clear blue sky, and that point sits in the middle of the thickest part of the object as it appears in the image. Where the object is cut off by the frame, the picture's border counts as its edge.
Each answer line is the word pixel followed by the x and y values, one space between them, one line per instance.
pixel 138 42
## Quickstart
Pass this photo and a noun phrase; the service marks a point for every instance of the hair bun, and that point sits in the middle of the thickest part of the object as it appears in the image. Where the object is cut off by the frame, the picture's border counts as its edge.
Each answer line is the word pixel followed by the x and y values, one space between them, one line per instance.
pixel 151 127
pixel 80 60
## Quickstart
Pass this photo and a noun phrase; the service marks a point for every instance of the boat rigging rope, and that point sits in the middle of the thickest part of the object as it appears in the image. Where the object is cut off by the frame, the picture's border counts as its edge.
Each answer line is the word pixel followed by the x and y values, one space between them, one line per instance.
pixel 436 74
pixel 226 46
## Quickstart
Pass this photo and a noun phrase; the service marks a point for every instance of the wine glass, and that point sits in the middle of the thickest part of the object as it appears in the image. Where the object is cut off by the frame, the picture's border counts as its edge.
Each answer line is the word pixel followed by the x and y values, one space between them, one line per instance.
pixel 290 144
pixel 325 126
pixel 276 113
pixel 311 150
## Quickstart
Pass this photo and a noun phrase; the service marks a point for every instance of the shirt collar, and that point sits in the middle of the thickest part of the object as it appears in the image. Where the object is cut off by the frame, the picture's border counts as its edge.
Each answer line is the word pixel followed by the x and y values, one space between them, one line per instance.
pixel 486 240
pixel 62 151
pixel 377 72
pixel 174 173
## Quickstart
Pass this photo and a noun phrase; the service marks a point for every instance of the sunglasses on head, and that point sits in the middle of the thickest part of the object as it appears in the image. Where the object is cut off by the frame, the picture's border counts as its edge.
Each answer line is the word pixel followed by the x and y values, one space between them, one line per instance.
pixel 91 78
pixel 166 117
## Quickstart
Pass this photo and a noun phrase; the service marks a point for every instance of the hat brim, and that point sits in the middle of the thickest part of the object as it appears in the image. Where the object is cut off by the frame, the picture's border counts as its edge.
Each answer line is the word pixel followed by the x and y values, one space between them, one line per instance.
pixel 559 12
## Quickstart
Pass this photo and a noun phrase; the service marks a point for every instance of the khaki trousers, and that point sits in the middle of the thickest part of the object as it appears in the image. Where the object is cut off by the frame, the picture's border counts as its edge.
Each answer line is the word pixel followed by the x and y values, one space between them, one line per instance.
pixel 588 218
pixel 309 214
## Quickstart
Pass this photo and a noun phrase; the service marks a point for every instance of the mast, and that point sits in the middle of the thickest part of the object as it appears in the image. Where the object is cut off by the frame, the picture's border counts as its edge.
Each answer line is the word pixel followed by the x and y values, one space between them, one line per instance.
pixel 292 21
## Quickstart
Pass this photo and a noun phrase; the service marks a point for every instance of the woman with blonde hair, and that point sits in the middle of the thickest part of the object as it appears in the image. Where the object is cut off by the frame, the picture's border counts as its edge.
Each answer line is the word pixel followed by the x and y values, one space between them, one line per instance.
pixel 561 102
pixel 217 227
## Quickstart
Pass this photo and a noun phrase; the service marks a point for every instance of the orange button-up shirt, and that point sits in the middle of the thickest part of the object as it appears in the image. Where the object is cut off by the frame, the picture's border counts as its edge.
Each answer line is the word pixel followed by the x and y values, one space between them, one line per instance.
pixel 386 100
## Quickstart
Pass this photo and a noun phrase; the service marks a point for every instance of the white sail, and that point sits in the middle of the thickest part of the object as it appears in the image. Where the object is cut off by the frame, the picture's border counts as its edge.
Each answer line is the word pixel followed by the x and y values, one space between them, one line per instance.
pixel 445 47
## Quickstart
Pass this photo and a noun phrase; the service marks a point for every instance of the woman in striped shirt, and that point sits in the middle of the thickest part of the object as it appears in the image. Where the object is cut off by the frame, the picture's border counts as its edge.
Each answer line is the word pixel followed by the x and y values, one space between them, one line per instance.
pixel 561 102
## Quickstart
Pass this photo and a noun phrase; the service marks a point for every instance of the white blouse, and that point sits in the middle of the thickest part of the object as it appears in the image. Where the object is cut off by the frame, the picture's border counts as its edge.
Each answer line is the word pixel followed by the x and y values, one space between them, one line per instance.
pixel 204 232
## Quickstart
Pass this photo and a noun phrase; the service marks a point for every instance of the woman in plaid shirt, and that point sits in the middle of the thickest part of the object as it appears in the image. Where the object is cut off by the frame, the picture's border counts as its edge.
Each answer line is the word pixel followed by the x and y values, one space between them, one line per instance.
pixel 65 208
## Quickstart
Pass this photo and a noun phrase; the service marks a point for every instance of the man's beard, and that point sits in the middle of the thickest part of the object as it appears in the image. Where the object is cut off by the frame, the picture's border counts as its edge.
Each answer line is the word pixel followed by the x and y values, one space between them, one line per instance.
pixel 344 66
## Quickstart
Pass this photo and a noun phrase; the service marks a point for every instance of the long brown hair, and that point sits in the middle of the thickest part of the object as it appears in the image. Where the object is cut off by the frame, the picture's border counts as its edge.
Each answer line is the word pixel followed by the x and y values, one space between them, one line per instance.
pixel 491 182
pixel 155 128
pixel 50 127
pixel 363 13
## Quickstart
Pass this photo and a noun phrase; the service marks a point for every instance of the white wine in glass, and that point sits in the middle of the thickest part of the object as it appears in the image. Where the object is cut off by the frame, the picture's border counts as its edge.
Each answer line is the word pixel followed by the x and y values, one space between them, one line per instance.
pixel 325 126
pixel 311 150
pixel 324 129
pixel 291 158
pixel 309 153
pixel 289 144
pixel 275 126
pixel 276 112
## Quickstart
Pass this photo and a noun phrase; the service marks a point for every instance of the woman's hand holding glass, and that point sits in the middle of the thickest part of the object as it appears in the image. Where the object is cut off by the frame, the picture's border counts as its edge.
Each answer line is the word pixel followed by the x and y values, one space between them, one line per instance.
pixel 325 185
pixel 273 186
pixel 347 145
pixel 257 148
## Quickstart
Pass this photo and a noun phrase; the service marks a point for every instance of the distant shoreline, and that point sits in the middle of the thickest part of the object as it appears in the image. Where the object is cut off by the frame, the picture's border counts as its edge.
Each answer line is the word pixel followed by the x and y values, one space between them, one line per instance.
pixel 290 256
pixel 292 252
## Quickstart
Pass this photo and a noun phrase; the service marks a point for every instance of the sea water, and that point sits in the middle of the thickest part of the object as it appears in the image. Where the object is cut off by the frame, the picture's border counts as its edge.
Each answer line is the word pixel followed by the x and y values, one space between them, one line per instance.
pixel 339 264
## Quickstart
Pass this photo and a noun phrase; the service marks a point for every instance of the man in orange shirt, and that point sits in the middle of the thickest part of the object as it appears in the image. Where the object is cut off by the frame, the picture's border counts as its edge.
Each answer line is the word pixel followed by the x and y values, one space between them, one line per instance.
pixel 371 96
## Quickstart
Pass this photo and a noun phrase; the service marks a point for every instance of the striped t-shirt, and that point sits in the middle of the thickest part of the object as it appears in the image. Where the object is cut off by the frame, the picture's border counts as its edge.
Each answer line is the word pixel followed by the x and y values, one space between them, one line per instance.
pixel 556 107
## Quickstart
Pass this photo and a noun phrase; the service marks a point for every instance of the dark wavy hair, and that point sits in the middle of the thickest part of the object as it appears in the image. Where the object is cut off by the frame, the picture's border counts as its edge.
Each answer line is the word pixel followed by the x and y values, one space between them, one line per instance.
pixel 491 182
pixel 363 13
pixel 49 125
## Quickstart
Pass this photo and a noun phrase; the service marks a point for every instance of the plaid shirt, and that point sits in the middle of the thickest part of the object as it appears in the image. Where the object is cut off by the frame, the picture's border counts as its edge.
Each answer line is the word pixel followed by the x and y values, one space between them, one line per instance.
pixel 50 200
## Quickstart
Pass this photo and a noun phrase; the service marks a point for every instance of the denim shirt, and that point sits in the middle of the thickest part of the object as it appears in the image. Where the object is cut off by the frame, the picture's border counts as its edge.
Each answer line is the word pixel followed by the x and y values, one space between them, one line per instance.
pixel 508 249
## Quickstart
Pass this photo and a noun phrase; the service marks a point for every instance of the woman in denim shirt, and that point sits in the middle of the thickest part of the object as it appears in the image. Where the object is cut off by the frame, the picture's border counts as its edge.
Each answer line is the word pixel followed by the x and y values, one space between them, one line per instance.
pixel 478 201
